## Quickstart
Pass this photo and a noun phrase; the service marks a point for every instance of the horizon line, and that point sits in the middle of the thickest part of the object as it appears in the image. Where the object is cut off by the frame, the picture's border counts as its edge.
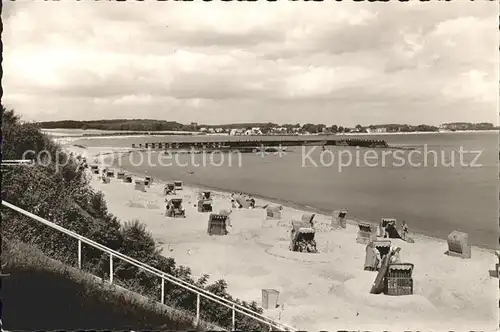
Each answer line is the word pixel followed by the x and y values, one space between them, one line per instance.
pixel 267 122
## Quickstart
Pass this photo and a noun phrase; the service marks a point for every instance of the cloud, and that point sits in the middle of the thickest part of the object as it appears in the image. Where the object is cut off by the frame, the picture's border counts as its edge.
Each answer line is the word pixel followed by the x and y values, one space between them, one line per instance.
pixel 287 62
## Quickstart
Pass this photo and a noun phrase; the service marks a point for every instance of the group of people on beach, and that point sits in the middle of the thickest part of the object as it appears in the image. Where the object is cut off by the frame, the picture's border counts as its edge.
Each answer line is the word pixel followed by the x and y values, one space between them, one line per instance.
pixel 169 191
pixel 236 204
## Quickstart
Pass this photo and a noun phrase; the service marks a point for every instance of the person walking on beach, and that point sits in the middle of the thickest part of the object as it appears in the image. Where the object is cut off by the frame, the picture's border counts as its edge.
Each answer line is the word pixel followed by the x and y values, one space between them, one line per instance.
pixel 233 205
pixel 378 259
pixel 251 200
pixel 227 213
pixel 385 234
pixel 404 230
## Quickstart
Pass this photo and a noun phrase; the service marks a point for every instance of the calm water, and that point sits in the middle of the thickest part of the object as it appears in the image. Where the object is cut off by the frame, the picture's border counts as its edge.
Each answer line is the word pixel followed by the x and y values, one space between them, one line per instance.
pixel 433 200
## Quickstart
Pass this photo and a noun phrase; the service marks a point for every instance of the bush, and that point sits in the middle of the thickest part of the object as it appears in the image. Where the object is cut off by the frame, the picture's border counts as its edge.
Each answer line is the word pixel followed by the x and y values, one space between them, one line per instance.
pixel 64 197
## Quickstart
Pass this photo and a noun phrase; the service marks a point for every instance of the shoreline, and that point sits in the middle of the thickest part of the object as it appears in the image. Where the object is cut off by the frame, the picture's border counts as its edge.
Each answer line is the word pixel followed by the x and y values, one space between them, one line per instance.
pixel 196 186
pixel 324 291
pixel 422 132
pixel 352 220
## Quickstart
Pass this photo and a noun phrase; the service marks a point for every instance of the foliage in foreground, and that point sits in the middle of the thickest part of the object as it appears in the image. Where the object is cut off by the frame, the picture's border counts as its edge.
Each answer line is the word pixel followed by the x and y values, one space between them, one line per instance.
pixel 64 196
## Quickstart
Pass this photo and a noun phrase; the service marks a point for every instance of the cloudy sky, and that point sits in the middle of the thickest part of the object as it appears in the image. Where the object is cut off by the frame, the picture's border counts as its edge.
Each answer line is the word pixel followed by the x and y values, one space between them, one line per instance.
pixel 333 63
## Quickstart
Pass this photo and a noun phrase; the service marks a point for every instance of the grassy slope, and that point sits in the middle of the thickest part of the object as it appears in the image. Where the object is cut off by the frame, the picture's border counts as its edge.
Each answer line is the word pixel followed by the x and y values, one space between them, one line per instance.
pixel 45 294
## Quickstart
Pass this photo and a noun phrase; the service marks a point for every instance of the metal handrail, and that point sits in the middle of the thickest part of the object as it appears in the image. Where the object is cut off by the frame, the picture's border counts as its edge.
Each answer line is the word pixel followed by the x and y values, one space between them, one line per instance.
pixel 235 307
pixel 17 162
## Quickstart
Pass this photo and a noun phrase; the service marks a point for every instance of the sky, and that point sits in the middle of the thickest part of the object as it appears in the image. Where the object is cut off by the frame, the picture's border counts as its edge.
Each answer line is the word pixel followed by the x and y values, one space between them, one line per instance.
pixel 341 63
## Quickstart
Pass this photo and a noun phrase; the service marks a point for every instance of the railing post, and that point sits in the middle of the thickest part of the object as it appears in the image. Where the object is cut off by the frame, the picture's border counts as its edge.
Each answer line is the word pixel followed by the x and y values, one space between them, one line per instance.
pixel 162 291
pixel 79 254
pixel 234 319
pixel 110 268
pixel 197 309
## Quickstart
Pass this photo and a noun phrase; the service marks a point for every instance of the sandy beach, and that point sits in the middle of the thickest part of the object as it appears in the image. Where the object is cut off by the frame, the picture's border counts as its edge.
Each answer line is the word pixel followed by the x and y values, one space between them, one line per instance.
pixel 328 290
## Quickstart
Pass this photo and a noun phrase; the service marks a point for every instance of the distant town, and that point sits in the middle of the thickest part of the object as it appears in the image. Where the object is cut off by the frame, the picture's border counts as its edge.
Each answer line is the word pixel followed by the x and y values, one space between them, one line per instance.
pixel 148 125
pixel 334 129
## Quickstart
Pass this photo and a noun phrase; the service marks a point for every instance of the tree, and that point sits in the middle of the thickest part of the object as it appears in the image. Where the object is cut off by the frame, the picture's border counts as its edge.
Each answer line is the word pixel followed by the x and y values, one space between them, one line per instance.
pixel 359 127
pixel 334 128
pixel 406 128
pixel 423 127
pixel 17 137
pixel 309 128
pixel 341 129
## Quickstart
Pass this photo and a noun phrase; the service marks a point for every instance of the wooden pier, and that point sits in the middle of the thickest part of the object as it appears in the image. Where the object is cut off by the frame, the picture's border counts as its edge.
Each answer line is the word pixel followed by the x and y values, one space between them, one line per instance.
pixel 249 145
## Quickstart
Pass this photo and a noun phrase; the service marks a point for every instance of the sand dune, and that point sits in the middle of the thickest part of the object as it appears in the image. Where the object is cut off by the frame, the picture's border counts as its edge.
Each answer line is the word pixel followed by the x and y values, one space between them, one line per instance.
pixel 324 291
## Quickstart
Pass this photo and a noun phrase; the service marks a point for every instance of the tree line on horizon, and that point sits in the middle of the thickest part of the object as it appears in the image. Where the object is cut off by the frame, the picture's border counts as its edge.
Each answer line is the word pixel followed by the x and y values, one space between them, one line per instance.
pixel 163 125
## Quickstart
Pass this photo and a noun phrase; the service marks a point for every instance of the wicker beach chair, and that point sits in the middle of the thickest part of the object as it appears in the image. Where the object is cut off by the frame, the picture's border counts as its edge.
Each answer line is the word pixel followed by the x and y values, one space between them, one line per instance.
pixel 217 224
pixel 175 209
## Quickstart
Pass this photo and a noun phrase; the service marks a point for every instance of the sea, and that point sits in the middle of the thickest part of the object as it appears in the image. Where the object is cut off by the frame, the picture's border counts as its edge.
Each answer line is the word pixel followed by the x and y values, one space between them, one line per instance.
pixel 436 182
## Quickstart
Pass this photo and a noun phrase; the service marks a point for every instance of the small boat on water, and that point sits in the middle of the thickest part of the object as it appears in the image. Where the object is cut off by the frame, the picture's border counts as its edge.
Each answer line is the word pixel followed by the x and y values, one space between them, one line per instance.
pixel 270 149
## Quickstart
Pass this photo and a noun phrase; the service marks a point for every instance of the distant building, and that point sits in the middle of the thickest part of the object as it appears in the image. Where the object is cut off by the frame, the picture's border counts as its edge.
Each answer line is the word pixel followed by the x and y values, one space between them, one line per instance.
pixel 203 129
pixel 376 130
pixel 456 126
pixel 236 131
pixel 211 130
pixel 256 131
